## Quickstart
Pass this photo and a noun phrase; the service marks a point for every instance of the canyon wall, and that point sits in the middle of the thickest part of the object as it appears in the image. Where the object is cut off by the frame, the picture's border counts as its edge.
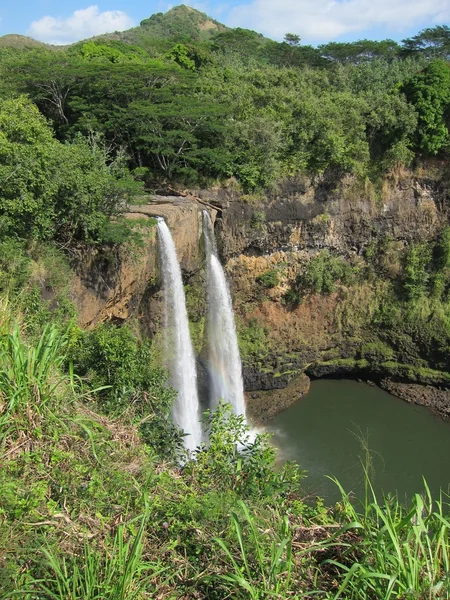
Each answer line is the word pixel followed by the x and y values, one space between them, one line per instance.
pixel 333 334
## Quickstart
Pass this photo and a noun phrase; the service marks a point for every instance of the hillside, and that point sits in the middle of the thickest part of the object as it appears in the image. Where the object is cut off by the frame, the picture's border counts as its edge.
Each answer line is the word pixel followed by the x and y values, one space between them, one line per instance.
pixel 14 40
pixel 181 23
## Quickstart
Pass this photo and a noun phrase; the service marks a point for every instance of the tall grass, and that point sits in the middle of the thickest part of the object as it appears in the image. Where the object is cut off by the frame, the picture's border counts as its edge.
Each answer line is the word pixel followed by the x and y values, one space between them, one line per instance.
pixel 31 380
pixel 116 571
pixel 403 551
pixel 259 572
pixel 386 551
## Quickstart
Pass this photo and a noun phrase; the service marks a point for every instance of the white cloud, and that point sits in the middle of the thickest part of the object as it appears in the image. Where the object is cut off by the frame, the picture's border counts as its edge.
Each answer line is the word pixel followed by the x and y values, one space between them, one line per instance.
pixel 83 23
pixel 324 20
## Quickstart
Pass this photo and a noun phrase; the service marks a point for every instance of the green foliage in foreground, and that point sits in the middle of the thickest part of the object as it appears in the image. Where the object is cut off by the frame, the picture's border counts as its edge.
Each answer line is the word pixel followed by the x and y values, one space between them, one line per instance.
pixel 87 511
pixel 113 360
pixel 404 551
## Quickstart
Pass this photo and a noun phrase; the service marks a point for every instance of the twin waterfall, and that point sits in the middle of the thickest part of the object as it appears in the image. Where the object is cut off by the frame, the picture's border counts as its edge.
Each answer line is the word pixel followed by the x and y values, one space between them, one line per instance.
pixel 224 363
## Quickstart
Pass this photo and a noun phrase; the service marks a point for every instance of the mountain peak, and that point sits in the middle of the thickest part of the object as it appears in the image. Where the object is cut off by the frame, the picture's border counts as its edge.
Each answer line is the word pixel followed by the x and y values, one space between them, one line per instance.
pixel 182 20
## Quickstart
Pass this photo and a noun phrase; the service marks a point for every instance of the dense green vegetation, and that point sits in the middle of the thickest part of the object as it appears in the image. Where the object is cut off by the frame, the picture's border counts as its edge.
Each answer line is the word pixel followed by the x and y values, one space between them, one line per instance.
pixel 88 510
pixel 393 303
pixel 186 100
pixel 52 190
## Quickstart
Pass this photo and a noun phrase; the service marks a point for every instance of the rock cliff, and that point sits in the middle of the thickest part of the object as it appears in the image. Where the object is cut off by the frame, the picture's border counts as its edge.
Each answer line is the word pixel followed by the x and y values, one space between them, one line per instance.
pixel 331 334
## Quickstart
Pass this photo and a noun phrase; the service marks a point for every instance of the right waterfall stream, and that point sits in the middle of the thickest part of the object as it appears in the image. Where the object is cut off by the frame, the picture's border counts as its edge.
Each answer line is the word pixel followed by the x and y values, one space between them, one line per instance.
pixel 224 361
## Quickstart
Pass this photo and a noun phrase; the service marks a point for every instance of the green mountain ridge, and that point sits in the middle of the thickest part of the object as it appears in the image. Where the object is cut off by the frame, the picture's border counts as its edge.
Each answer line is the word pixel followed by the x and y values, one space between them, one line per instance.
pixel 179 23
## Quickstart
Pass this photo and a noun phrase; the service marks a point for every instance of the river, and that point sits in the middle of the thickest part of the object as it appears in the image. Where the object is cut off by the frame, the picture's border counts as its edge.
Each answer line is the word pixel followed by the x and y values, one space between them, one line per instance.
pixel 326 431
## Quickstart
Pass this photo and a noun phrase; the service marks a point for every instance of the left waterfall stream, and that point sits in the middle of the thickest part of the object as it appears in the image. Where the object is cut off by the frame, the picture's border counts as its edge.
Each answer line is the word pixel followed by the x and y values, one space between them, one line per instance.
pixel 179 351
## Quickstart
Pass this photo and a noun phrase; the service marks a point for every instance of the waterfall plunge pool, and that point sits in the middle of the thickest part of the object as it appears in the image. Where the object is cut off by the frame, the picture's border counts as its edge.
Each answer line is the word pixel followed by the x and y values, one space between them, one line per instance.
pixel 322 432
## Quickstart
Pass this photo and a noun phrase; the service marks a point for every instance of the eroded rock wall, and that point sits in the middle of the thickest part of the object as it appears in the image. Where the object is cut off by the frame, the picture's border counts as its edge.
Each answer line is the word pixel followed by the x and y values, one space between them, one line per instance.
pixel 124 284
pixel 326 334
pixel 332 334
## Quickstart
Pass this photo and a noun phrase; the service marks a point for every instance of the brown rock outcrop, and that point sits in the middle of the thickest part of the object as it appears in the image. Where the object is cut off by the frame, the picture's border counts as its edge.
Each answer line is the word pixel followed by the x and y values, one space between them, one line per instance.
pixel 438 400
pixel 122 284
pixel 262 406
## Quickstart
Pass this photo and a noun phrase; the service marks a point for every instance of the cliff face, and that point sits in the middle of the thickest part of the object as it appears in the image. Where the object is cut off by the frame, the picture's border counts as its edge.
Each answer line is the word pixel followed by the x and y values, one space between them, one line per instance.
pixel 329 334
pixel 344 219
pixel 125 284
pixel 338 333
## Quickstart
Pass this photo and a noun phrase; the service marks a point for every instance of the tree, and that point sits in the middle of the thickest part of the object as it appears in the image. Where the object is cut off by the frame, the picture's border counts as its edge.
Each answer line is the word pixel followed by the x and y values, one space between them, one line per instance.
pixel 429 93
pixel 47 78
pixel 358 52
pixel 179 134
pixel 433 42
pixel 180 54
pixel 244 42
pixel 50 190
pixel 113 51
pixel 292 39
pixel 390 125
pixel 27 166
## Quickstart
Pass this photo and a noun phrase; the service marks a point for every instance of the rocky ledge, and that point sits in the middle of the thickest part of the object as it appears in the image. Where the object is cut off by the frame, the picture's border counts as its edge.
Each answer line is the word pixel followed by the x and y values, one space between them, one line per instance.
pixel 437 399
pixel 262 406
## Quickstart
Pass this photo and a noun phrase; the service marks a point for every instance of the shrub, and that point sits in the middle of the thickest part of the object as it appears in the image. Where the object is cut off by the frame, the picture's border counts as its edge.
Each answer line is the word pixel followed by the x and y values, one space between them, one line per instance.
pixel 239 460
pixel 269 279
pixel 258 220
pixel 14 266
pixel 323 272
pixel 377 352
pixel 253 340
pixel 415 273
pixel 114 357
pixel 291 296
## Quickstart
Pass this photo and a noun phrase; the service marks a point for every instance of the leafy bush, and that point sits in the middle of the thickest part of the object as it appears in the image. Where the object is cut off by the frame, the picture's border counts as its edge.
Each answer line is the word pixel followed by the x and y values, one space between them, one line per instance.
pixel 51 190
pixel 252 339
pixel 258 220
pixel 269 279
pixel 415 273
pixel 37 281
pixel 377 352
pixel 14 266
pixel 291 296
pixel 114 357
pixel 237 459
pixel 323 272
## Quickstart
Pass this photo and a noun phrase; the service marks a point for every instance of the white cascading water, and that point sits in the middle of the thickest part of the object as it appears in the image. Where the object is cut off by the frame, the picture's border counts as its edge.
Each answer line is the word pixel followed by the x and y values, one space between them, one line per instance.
pixel 225 368
pixel 178 345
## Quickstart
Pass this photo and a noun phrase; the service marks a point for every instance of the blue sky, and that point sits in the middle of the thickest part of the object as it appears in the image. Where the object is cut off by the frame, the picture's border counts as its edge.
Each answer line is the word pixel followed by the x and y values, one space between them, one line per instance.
pixel 316 21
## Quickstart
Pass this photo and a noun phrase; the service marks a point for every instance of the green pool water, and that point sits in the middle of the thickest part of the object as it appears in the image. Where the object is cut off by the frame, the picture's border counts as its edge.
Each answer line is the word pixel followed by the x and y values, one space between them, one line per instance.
pixel 326 430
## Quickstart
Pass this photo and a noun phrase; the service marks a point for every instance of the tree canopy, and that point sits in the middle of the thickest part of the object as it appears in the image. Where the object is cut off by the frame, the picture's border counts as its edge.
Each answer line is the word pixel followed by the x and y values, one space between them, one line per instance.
pixel 182 106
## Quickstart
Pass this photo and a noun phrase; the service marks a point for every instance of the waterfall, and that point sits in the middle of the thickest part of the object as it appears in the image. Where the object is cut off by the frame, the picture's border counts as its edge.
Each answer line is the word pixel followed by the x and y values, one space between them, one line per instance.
pixel 178 345
pixel 225 369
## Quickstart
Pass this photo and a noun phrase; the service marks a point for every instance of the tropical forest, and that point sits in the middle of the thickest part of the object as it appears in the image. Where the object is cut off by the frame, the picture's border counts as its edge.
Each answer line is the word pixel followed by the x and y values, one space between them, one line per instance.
pixel 224 315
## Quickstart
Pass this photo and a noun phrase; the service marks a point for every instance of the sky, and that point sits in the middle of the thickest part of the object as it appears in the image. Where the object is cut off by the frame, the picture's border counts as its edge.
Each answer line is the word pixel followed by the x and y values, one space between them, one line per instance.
pixel 316 21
